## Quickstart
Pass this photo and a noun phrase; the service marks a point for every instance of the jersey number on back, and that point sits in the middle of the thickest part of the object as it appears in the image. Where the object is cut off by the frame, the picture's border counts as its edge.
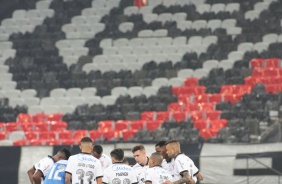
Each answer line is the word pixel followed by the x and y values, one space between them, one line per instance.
pixel 89 175
pixel 56 176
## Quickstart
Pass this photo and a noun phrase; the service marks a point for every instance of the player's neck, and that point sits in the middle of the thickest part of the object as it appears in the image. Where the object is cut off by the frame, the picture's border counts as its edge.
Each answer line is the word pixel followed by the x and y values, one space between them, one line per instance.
pixel 146 161
pixel 176 153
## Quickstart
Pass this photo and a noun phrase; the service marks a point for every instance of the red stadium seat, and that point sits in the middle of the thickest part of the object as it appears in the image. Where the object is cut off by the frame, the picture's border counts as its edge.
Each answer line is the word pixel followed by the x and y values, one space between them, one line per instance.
pixel 196 115
pixel 11 126
pixel 21 143
pixel 201 98
pixel 215 98
pixel 191 82
pixel 95 134
pixel 184 98
pixel 149 115
pixel 122 125
pixel 272 62
pixel 107 124
pixel 37 142
pixel 54 117
pixel 179 116
pixel 153 125
pixel 39 118
pixel 24 118
pixel 58 125
pixel 52 142
pixel 257 62
pixel 175 107
pixel 42 126
pixel 137 124
pixel 3 135
pixel 206 106
pixel 232 98
pixel 271 72
pixel 207 133
pixel 31 135
pixel 48 135
pixel 273 88
pixel 27 126
pixel 218 124
pixel 126 134
pixel 79 134
pixel 196 90
pixel 163 115
pixel 258 72
pixel 190 107
pixel 66 134
pixel 200 124
pixel 111 134
pixel 69 142
pixel 213 115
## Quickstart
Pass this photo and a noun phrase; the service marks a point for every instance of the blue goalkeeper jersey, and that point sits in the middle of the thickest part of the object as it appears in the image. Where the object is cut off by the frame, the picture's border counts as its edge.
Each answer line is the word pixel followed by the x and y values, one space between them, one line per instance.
pixel 57 173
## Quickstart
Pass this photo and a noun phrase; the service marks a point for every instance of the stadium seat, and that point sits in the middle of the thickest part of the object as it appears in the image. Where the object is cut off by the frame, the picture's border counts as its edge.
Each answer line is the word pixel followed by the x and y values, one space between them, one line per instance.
pixel 153 125
pixel 24 118
pixel 122 125
pixel 3 135
pixel 79 134
pixel 174 107
pixel 106 125
pixel 95 134
pixel 21 143
pixel 111 134
pixel 148 116
pixel 138 124
pixel 66 134
pixel 48 135
pixel 128 134
pixel 31 135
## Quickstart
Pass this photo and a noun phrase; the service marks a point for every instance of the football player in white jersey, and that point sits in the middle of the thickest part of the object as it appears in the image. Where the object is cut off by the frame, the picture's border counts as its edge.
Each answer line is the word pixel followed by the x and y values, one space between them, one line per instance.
pixel 183 165
pixel 39 171
pixel 156 174
pixel 118 172
pixel 83 168
pixel 104 159
pixel 167 163
pixel 142 160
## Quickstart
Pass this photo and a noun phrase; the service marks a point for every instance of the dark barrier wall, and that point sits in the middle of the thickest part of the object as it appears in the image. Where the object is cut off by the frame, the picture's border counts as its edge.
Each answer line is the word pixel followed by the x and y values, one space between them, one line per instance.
pixel 9 164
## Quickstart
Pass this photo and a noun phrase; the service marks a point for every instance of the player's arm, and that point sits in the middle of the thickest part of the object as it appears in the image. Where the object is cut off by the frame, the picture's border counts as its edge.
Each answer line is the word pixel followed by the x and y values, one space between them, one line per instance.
pixel 30 173
pixel 199 176
pixel 68 178
pixel 185 179
pixel 37 176
pixel 99 180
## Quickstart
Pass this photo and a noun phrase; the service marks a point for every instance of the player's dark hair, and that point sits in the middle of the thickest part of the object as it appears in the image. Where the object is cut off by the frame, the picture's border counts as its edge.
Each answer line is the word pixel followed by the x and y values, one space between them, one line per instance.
pixel 160 144
pixel 171 141
pixel 66 152
pixel 98 149
pixel 118 154
pixel 125 160
pixel 138 147
pixel 86 140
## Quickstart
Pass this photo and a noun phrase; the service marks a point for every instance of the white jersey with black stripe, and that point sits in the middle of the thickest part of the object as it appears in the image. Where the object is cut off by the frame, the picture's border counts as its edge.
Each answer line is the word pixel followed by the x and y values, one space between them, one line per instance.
pixel 183 163
pixel 140 171
pixel 84 168
pixel 44 166
pixel 157 175
pixel 119 173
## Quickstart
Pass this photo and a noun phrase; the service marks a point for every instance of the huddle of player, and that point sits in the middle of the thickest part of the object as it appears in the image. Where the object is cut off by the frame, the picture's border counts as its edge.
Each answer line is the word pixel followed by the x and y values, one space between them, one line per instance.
pixel 165 166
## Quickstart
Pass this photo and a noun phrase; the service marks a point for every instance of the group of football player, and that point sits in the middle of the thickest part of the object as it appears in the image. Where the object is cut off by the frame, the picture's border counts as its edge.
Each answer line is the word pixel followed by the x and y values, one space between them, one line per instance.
pixel 167 165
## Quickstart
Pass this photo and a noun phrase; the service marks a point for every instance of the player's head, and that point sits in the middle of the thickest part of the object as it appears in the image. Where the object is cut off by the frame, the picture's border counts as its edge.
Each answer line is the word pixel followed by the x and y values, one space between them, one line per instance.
pixel 139 154
pixel 117 155
pixel 97 151
pixel 156 159
pixel 161 148
pixel 172 148
pixel 62 154
pixel 86 145
pixel 125 161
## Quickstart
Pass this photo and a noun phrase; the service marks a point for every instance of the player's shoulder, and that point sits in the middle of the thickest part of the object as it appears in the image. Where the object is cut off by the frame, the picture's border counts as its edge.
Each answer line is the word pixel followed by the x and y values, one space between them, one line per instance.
pixel 62 162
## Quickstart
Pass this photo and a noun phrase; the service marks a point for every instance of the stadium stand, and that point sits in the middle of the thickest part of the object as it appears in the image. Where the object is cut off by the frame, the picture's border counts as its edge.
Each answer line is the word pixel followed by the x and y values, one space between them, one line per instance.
pixel 192 70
